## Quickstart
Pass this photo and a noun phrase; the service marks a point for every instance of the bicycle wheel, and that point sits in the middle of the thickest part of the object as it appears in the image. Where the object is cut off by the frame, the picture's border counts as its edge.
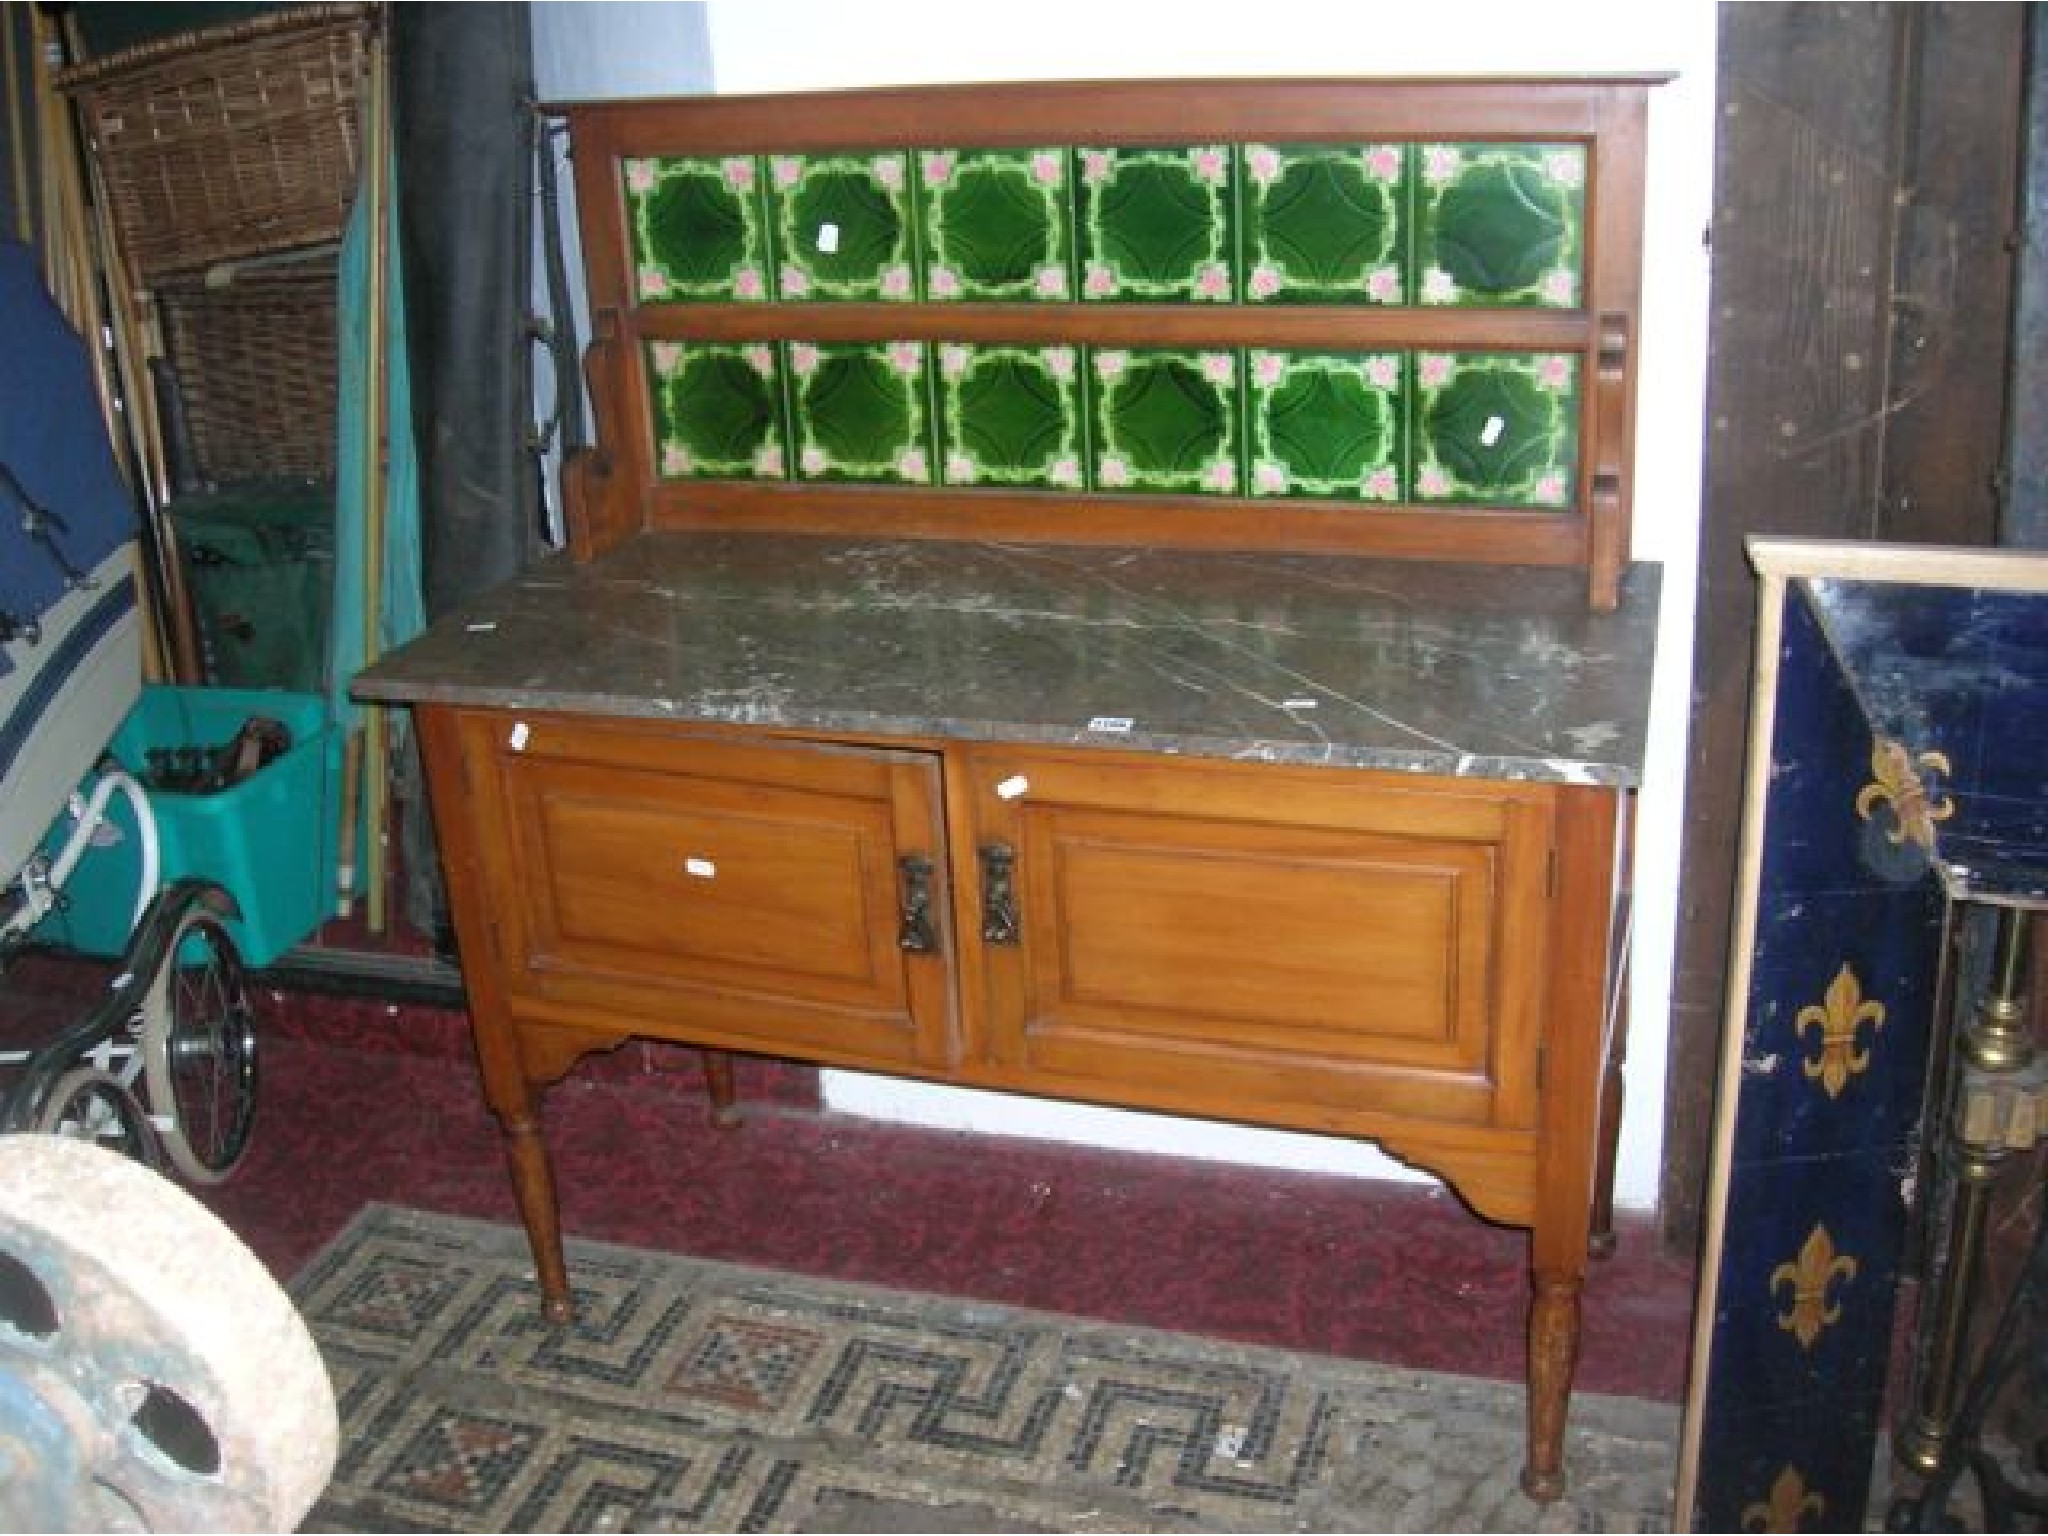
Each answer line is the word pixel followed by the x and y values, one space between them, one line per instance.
pixel 86 1104
pixel 199 1049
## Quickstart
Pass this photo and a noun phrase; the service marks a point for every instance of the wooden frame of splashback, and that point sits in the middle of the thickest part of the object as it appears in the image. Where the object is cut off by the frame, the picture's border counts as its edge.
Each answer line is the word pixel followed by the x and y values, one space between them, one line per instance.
pixel 615 489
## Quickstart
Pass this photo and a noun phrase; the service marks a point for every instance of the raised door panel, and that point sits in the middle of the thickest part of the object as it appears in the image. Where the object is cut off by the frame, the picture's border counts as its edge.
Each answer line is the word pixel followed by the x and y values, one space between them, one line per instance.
pixel 743 894
pixel 1314 946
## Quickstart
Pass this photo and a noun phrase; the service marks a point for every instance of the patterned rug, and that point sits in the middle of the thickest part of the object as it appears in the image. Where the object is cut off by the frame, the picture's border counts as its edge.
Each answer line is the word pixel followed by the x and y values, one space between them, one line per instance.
pixel 694 1396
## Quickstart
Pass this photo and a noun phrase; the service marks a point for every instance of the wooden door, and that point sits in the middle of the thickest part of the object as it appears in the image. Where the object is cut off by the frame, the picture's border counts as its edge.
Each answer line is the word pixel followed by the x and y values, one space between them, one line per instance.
pixel 1331 949
pixel 658 882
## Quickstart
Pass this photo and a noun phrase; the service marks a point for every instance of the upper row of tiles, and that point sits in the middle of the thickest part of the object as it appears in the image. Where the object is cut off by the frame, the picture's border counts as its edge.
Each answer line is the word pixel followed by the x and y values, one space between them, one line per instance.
pixel 1475 224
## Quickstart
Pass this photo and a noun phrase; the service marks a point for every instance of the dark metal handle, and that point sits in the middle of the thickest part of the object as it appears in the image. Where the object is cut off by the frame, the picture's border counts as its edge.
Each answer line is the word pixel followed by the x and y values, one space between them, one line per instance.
pixel 998 893
pixel 914 931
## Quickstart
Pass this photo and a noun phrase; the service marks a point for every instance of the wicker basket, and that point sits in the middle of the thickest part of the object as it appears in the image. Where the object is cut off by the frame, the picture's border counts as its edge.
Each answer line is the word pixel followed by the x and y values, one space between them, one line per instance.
pixel 257 362
pixel 229 142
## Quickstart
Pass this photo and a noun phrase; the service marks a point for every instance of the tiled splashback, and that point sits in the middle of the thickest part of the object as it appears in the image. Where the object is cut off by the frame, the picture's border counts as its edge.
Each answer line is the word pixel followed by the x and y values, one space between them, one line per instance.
pixel 1444 427
pixel 1475 224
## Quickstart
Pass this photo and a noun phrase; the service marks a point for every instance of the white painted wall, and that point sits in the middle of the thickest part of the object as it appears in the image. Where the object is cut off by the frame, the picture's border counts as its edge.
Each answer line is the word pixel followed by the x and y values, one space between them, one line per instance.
pixel 773 45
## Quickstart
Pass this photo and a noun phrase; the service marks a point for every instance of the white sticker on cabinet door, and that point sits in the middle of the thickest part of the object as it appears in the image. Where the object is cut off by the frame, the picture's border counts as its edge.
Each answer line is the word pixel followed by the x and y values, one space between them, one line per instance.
pixel 703 869
pixel 1013 787
pixel 520 734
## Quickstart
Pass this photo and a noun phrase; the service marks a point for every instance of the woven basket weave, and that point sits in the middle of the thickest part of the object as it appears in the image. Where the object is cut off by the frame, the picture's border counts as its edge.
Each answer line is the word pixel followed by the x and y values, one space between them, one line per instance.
pixel 257 363
pixel 229 142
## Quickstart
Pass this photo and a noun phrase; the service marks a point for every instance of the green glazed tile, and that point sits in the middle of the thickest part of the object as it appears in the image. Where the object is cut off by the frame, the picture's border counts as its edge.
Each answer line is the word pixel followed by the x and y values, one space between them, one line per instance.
pixel 860 411
pixel 997 224
pixel 843 226
pixel 717 410
pixel 1157 224
pixel 1324 223
pixel 697 228
pixel 1501 224
pixel 1011 415
pixel 1325 424
pixel 1166 420
pixel 1498 428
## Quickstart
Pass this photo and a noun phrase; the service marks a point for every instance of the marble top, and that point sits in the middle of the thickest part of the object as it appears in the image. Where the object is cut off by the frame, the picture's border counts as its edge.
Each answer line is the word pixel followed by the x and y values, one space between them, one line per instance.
pixel 1481 671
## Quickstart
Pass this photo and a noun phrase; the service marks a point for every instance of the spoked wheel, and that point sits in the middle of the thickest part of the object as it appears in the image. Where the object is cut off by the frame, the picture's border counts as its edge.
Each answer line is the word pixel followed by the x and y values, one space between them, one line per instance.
pixel 153 1376
pixel 199 1049
pixel 86 1104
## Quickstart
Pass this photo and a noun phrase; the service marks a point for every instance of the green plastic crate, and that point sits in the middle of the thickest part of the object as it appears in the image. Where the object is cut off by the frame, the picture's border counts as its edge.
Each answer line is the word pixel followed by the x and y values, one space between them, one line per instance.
pixel 269 840
pixel 259 559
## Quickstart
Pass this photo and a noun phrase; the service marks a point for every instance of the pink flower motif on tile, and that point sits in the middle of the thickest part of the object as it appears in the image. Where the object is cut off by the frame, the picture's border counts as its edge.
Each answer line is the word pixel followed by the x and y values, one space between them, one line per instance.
pixel 1099 281
pixel 794 283
pixel 1383 162
pixel 888 171
pixel 666 355
pixel 1383 372
pixel 1380 485
pixel 653 282
pixel 961 469
pixel 913 466
pixel 938 168
pixel 1439 287
pixel 1220 476
pixel 1212 281
pixel 1263 163
pixel 1560 288
pixel 675 459
pixel 1433 369
pixel 1550 489
pixel 748 283
pixel 1268 368
pixel 944 283
pixel 803 357
pixel 1383 285
pixel 1110 365
pixel 1565 167
pixel 739 173
pixel 1211 163
pixel 761 358
pixel 1264 282
pixel 1440 163
pixel 1059 362
pixel 1048 167
pixel 640 176
pixel 816 461
pixel 768 462
pixel 1065 470
pixel 1432 482
pixel 1219 367
pixel 896 281
pixel 906 357
pixel 954 358
pixel 1115 470
pixel 1097 165
pixel 1554 371
pixel 1051 282
pixel 1269 479
pixel 787 170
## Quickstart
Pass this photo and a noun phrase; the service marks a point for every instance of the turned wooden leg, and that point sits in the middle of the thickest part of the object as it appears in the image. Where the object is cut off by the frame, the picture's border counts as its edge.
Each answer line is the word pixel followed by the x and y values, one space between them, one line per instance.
pixel 725 1109
pixel 533 1187
pixel 1553 1354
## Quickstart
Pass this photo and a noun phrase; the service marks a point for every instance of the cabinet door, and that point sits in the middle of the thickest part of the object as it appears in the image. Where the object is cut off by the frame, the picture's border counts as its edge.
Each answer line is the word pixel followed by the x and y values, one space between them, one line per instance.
pixel 1326 948
pixel 756 895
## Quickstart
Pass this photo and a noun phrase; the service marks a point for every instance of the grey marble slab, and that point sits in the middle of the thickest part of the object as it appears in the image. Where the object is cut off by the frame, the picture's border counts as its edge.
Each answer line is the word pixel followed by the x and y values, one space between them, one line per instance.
pixel 1465 670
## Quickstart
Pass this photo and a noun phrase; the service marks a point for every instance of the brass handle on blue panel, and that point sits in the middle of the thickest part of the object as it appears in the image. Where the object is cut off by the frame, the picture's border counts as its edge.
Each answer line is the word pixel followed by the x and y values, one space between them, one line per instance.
pixel 914 930
pixel 998 893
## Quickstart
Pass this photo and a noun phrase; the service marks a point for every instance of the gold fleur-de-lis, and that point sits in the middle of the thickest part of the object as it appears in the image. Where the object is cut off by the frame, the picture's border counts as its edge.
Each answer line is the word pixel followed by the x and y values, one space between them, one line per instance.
pixel 1789 1503
pixel 1810 1277
pixel 1896 781
pixel 1838 1017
